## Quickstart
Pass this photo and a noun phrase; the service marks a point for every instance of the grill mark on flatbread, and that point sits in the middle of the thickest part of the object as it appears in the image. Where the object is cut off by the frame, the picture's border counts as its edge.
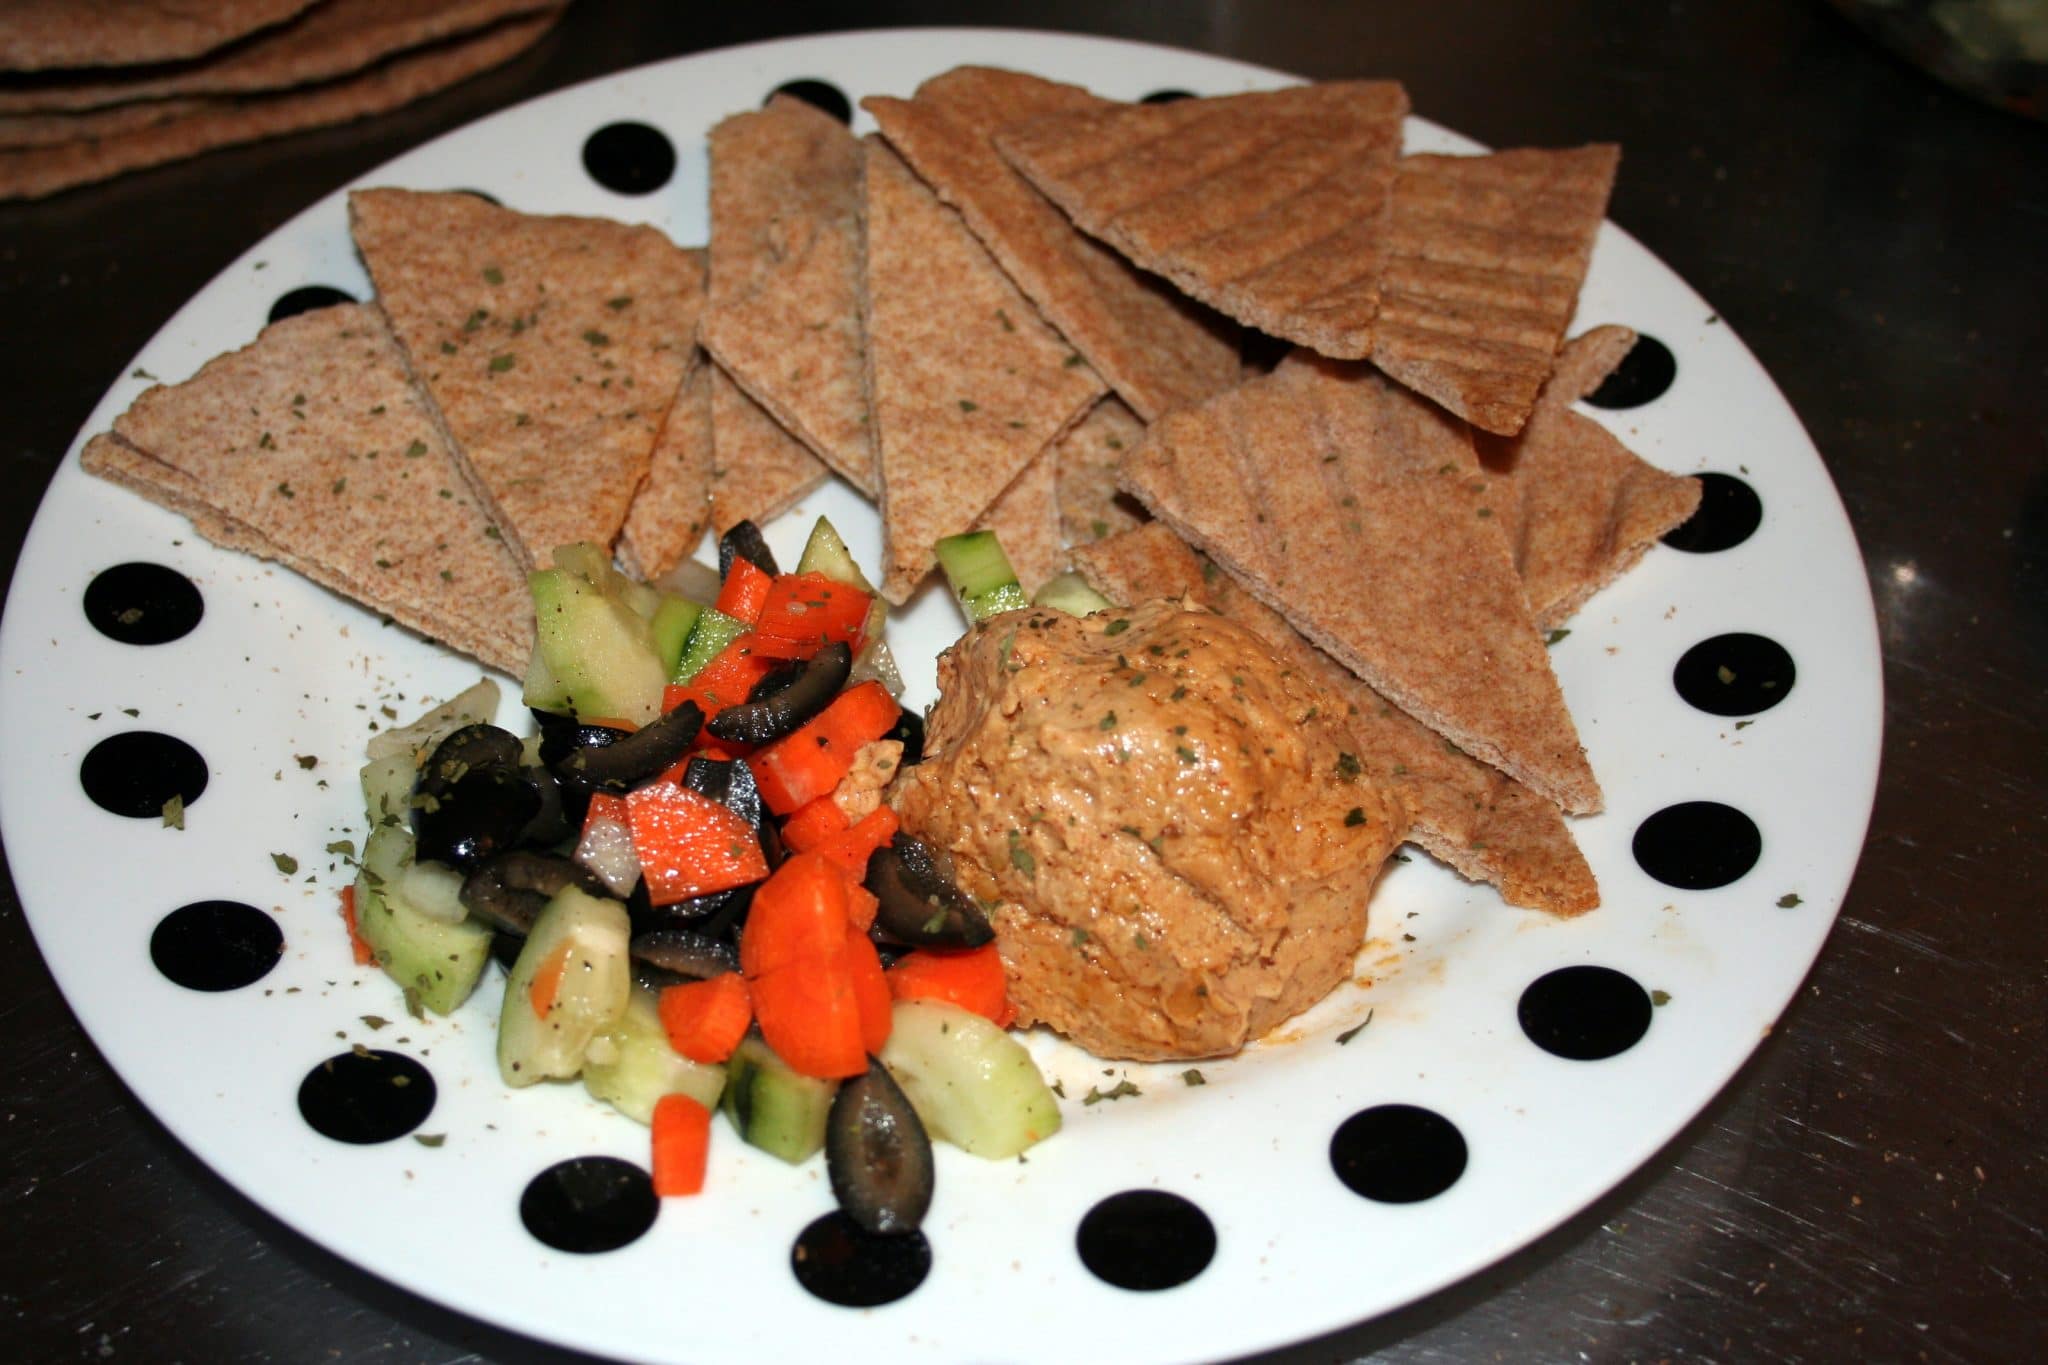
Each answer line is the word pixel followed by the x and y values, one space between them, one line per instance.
pixel 311 446
pixel 1485 256
pixel 1358 512
pixel 967 381
pixel 784 319
pixel 1156 348
pixel 31 173
pixel 1473 817
pixel 550 347
pixel 1586 507
pixel 1269 206
pixel 329 40
pixel 672 508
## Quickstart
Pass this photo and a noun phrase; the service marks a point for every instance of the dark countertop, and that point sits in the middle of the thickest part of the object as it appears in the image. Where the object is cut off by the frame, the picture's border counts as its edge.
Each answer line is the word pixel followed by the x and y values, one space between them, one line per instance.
pixel 1869 1186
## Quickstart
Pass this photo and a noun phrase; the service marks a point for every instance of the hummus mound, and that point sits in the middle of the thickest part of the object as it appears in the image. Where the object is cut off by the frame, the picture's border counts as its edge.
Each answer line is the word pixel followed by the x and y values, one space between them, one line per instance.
pixel 1178 845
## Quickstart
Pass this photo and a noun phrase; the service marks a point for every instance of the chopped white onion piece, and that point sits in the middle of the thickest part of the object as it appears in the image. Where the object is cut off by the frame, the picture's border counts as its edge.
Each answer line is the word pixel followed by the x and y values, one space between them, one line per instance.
pixel 877 662
pixel 606 848
pixel 435 890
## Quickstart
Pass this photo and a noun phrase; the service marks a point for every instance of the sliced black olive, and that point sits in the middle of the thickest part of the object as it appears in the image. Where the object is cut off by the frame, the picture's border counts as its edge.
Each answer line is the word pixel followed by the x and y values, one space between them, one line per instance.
pixel 505 948
pixel 920 905
pixel 562 735
pixel 730 784
pixel 692 956
pixel 625 763
pixel 909 729
pixel 509 891
pixel 780 712
pixel 472 799
pixel 877 1154
pixel 690 913
pixel 551 824
pixel 743 540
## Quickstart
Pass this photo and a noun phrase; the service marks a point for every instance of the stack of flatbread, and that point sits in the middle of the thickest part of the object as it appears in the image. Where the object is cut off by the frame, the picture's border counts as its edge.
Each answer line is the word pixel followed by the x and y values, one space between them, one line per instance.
pixel 92 88
pixel 1024 307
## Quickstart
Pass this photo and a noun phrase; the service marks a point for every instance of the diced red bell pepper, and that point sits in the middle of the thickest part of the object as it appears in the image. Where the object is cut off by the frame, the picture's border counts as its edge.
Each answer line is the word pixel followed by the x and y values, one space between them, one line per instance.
pixel 808 763
pixel 814 610
pixel 744 590
pixel 690 845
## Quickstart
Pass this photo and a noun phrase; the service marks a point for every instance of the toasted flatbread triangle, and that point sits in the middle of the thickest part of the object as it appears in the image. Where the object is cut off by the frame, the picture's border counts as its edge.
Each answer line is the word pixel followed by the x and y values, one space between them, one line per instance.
pixel 311 446
pixel 44 34
pixel 758 470
pixel 550 346
pixel 1270 206
pixel 784 318
pixel 1090 505
pixel 1358 512
pixel 1586 507
pixel 968 384
pixel 1157 348
pixel 1474 817
pixel 673 506
pixel 1485 256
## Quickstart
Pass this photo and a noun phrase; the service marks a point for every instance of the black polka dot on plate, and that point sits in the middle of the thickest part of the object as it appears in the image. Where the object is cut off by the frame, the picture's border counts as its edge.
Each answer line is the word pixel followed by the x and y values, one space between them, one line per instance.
pixel 216 945
pixel 589 1204
pixel 629 158
pixel 1166 97
pixel 143 604
pixel 1643 375
pixel 819 95
pixel 367 1096
pixel 1698 845
pixel 1398 1153
pixel 305 299
pixel 1146 1239
pixel 841 1262
pixel 1584 1013
pixel 134 773
pixel 1728 514
pixel 1737 674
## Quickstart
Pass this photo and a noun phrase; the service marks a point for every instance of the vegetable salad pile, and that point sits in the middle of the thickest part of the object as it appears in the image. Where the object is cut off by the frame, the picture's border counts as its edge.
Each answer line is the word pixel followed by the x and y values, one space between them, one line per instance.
pixel 699 896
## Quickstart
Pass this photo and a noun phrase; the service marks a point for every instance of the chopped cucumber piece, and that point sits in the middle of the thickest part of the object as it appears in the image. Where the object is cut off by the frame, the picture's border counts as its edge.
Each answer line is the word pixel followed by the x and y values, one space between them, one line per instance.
pixel 387 853
pixel 577 954
pixel 387 789
pixel 542 690
pixel 440 962
pixel 631 1065
pixel 1070 593
pixel 972 1083
pixel 589 562
pixel 715 630
pixel 673 621
pixel 598 649
pixel 779 1110
pixel 472 706
pixel 980 574
pixel 826 553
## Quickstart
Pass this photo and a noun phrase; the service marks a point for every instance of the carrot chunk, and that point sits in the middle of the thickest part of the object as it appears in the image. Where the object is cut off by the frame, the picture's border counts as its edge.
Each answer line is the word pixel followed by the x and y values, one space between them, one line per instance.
pixel 971 978
pixel 798 914
pixel 357 944
pixel 870 989
pixel 808 763
pixel 547 982
pixel 744 591
pixel 705 1020
pixel 850 850
pixel 861 907
pixel 682 1145
pixel 813 611
pixel 810 1014
pixel 690 845
pixel 813 823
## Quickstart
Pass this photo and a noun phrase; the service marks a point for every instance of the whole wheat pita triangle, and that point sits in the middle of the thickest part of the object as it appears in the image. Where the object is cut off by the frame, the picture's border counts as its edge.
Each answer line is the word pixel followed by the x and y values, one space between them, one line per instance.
pixel 784 318
pixel 1270 206
pixel 551 348
pixel 1484 259
pixel 1026 519
pixel 1090 505
pixel 311 446
pixel 672 508
pixel 1157 348
pixel 1358 512
pixel 966 382
pixel 1585 506
pixel 758 470
pixel 1474 817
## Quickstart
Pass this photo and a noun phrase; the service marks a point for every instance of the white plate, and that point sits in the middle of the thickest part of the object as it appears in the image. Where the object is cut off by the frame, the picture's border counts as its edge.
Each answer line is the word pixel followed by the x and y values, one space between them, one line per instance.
pixel 279 668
